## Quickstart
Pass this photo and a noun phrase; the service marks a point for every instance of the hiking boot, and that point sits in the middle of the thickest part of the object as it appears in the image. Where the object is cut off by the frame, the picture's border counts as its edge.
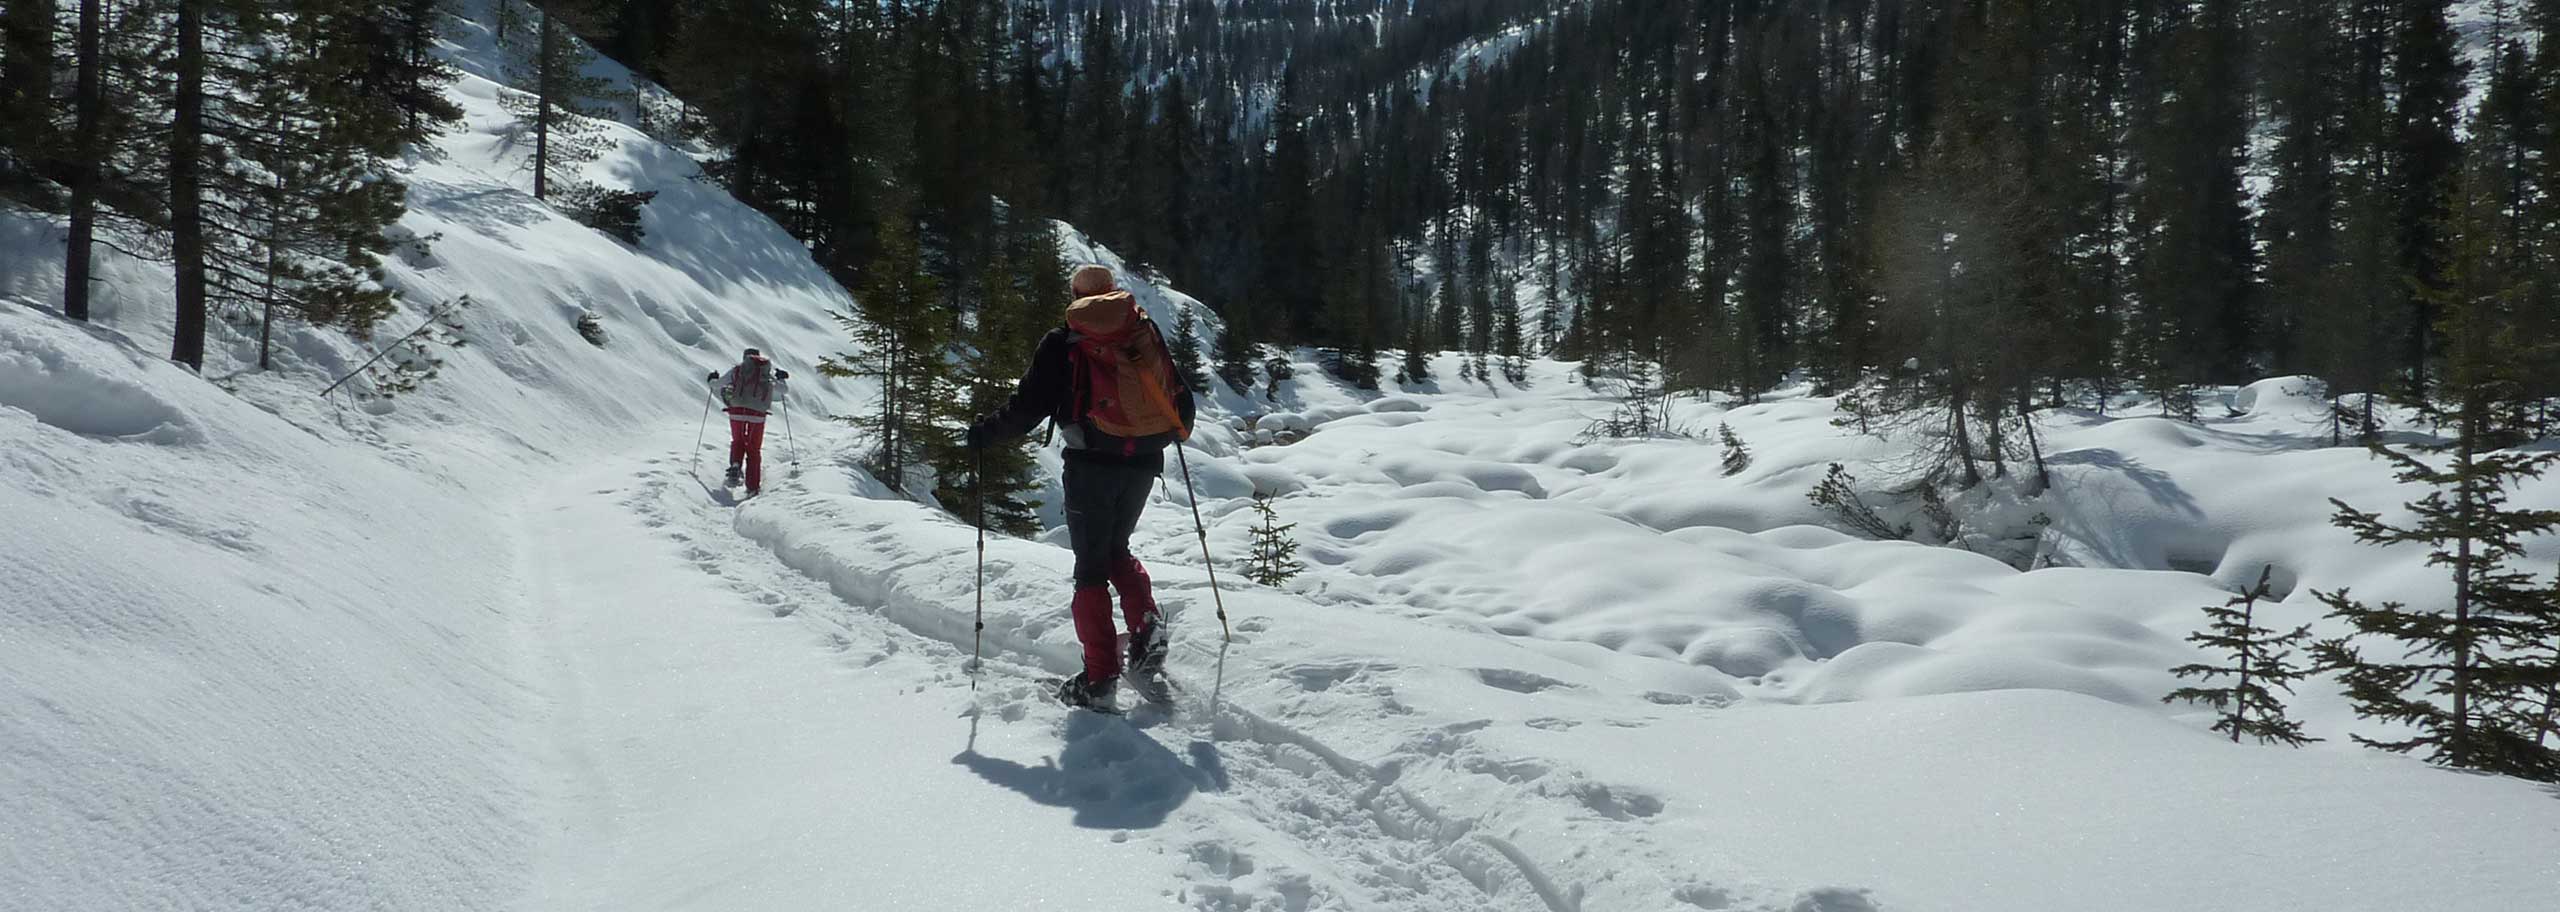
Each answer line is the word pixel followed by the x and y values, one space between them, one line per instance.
pixel 1089 693
pixel 734 476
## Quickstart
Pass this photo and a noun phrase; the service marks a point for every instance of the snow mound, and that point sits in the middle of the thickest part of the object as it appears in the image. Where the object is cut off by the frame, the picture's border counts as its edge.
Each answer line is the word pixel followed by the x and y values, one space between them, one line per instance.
pixel 1432 766
pixel 82 389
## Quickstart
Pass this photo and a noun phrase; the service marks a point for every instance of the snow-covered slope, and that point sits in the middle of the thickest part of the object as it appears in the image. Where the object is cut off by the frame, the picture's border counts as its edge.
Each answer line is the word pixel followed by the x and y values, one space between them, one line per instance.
pixel 264 649
pixel 494 644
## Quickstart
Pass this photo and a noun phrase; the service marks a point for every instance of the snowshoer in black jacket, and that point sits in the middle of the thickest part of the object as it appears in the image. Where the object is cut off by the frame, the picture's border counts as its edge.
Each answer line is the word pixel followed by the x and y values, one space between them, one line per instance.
pixel 1107 380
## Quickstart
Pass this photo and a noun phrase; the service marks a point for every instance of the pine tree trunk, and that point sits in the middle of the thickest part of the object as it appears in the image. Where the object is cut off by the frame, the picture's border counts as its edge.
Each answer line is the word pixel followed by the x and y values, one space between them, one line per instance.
pixel 186 187
pixel 87 112
pixel 2035 449
pixel 545 60
pixel 2543 730
pixel 2240 692
pixel 267 317
pixel 749 155
pixel 2464 575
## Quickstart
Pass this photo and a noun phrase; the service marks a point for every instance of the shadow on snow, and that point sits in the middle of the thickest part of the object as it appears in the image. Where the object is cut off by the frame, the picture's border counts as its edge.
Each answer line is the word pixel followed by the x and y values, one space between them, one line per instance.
pixel 1110 774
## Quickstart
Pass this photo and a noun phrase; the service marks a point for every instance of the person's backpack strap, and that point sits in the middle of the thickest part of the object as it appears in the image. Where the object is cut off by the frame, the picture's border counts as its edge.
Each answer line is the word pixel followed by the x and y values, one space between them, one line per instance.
pixel 1073 407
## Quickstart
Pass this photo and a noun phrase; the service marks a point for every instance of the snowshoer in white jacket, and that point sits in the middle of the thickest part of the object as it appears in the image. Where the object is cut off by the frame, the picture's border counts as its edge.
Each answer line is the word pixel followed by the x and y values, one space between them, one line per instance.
pixel 749 391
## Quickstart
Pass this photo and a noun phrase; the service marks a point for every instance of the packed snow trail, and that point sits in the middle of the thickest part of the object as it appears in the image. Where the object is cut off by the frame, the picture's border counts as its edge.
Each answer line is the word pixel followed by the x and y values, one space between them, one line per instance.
pixel 724 746
pixel 733 735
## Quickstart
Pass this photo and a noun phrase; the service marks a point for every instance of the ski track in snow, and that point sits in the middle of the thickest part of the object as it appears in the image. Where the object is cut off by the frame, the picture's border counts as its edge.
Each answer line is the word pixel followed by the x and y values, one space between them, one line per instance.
pixel 1258 814
pixel 470 649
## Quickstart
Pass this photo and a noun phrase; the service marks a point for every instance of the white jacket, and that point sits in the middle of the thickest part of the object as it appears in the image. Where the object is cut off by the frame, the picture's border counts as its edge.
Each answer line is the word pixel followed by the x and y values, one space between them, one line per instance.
pixel 742 405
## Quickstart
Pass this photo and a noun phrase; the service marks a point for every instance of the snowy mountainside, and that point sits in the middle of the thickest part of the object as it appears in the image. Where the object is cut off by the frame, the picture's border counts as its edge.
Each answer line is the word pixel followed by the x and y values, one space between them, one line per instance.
pixel 259 649
pixel 496 643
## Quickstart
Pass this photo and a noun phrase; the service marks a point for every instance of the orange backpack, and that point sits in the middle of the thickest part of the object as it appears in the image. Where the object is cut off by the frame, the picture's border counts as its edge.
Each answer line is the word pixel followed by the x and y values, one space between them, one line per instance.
pixel 1121 370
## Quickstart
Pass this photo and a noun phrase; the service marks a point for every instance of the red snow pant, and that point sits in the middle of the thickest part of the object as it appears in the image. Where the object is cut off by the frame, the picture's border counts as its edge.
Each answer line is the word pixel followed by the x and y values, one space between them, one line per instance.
pixel 1092 608
pixel 1103 503
pixel 746 444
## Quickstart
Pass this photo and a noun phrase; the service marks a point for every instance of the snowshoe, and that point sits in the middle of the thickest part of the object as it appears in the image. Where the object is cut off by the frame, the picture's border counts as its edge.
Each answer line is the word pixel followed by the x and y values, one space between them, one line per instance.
pixel 735 476
pixel 1084 693
pixel 1147 649
pixel 1153 687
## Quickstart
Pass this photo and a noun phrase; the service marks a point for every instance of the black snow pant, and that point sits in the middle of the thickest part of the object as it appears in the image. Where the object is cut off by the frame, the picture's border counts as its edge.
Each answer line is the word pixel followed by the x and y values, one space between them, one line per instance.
pixel 1104 499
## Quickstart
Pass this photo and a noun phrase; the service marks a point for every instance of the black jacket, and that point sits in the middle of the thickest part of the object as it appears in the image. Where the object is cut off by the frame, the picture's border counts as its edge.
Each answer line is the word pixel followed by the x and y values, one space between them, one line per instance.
pixel 1047 391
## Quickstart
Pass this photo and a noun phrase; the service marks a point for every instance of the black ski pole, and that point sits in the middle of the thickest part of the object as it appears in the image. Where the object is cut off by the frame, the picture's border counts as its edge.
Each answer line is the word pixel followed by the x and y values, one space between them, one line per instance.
pixel 1202 529
pixel 695 469
pixel 978 494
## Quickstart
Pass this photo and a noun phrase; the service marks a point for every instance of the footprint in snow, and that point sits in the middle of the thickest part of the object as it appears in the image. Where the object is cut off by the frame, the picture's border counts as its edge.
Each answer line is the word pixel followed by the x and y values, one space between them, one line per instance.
pixel 1517 681
pixel 1834 899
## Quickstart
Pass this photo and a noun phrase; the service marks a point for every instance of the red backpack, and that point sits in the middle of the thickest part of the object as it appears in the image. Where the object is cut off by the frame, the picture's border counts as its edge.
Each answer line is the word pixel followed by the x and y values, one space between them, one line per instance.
pixel 1122 373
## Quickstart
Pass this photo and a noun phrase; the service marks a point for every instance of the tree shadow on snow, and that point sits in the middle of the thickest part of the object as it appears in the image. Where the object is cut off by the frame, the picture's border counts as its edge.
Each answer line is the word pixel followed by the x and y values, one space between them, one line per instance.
pixel 492 211
pixel 2162 489
pixel 1112 775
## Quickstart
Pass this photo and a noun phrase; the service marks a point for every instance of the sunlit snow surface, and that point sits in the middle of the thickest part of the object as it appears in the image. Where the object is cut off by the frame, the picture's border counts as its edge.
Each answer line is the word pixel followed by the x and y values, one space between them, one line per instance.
pixel 496 643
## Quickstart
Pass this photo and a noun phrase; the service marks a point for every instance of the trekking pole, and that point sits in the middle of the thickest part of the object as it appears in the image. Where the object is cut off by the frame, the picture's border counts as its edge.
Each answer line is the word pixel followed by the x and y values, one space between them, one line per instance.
pixel 695 469
pixel 1225 635
pixel 788 438
pixel 977 636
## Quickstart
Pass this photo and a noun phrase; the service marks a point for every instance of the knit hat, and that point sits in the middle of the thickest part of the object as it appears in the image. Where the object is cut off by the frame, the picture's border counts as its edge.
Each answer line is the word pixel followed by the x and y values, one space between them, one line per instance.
pixel 1091 280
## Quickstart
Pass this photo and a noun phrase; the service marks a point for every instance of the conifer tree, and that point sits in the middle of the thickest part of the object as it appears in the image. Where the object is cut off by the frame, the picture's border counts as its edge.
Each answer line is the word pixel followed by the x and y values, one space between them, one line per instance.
pixel 188 162
pixel 2193 257
pixel 555 98
pixel 1416 364
pixel 401 72
pixel 900 343
pixel 2463 666
pixel 1186 352
pixel 1274 559
pixel 1236 350
pixel 90 141
pixel 29 59
pixel 2260 665
pixel 1000 343
pixel 277 198
pixel 1737 455
pixel 2427 73
pixel 1507 342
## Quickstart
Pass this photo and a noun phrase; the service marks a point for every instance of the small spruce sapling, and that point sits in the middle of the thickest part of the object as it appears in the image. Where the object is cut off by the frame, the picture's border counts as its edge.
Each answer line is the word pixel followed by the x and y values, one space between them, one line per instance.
pixel 1274 370
pixel 614 212
pixel 1838 493
pixel 1275 554
pixel 1187 361
pixel 1416 364
pixel 1737 456
pixel 2260 665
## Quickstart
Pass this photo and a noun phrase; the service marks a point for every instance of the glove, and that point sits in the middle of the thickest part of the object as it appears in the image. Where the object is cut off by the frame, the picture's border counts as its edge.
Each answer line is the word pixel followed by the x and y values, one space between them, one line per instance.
pixel 976 438
pixel 782 375
pixel 713 376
